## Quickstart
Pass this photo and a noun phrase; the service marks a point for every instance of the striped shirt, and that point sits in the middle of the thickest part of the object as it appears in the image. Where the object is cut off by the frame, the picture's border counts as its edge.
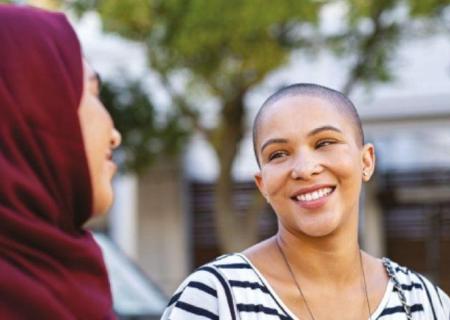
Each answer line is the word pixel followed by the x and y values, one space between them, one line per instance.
pixel 232 288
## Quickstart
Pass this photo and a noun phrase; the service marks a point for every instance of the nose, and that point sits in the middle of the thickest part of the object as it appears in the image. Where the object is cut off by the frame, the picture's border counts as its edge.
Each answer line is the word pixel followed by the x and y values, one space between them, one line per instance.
pixel 305 167
pixel 116 138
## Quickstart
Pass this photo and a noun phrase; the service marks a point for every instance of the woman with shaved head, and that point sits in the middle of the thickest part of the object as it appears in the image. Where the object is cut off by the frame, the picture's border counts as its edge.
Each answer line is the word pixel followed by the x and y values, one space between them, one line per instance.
pixel 309 145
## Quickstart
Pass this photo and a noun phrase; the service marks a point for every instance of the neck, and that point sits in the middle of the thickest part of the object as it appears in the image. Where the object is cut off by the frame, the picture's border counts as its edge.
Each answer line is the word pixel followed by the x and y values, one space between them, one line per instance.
pixel 333 259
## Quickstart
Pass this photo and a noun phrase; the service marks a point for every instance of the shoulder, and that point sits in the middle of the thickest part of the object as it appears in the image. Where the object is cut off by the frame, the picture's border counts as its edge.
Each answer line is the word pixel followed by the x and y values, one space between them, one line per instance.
pixel 420 292
pixel 206 291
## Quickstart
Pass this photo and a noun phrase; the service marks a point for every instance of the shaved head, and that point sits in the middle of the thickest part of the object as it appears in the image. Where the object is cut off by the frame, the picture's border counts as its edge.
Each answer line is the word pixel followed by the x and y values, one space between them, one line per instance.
pixel 336 98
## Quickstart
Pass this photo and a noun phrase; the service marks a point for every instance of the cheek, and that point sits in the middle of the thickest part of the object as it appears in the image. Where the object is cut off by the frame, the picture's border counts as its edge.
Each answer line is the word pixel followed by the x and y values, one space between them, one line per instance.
pixel 96 129
pixel 345 163
pixel 348 172
pixel 91 145
pixel 274 180
pixel 347 168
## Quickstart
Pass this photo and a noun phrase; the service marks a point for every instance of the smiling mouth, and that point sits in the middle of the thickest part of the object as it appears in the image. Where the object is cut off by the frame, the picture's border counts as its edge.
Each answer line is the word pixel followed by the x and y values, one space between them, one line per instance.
pixel 314 195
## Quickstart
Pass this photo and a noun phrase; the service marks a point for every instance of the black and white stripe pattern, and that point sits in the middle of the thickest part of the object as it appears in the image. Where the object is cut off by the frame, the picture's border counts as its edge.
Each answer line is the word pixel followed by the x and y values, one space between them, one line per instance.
pixel 231 288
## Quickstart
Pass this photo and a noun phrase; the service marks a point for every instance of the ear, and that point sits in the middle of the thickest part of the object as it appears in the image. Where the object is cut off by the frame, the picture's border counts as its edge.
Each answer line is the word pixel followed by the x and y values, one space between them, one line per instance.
pixel 368 161
pixel 260 183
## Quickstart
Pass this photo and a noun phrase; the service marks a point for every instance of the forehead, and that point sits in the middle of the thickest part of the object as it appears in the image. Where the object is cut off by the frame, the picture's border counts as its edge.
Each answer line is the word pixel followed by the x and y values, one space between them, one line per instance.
pixel 301 114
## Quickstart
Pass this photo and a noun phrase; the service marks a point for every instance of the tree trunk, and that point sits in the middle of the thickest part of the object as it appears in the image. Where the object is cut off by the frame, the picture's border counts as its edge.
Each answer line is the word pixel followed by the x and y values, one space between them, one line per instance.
pixel 235 230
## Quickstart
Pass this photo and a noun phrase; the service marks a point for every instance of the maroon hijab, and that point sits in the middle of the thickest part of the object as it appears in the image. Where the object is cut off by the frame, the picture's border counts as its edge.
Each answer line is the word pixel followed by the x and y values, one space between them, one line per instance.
pixel 50 268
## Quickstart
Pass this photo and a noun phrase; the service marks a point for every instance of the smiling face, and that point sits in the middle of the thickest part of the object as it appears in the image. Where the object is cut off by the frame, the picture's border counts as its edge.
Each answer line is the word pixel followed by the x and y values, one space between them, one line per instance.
pixel 311 164
pixel 100 138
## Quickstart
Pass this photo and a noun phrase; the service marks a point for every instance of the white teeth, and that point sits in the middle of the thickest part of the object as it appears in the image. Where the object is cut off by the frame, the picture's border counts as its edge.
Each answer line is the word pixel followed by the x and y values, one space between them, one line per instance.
pixel 314 195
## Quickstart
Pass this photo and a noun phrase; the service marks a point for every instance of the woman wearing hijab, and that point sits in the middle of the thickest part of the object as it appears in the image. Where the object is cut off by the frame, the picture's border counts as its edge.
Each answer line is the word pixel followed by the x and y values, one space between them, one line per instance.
pixel 309 145
pixel 56 140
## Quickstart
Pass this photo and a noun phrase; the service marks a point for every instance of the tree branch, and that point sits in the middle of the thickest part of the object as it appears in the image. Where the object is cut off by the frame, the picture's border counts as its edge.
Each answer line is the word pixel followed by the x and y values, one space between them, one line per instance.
pixel 368 51
pixel 184 107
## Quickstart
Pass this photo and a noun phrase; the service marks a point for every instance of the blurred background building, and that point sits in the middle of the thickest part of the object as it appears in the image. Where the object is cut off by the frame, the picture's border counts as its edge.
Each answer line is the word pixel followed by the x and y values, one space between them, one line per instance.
pixel 184 80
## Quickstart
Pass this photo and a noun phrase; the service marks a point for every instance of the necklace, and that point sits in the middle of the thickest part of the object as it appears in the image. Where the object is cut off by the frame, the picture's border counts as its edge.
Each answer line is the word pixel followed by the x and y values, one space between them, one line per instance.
pixel 286 261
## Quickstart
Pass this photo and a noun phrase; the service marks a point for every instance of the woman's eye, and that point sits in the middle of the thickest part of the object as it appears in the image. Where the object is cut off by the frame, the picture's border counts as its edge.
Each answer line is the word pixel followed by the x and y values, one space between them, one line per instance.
pixel 324 143
pixel 277 154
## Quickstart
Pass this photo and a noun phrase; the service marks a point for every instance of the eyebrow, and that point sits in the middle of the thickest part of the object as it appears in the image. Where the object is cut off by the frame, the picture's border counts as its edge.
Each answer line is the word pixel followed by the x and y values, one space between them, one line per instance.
pixel 323 128
pixel 99 79
pixel 311 133
pixel 96 77
pixel 272 141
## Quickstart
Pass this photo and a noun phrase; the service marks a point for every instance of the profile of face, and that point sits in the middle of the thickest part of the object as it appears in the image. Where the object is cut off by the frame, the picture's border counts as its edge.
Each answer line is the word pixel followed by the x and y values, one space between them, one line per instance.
pixel 100 138
pixel 312 164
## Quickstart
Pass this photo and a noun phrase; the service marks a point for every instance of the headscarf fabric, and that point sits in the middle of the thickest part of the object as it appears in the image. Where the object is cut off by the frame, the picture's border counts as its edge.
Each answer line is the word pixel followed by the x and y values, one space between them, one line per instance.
pixel 50 267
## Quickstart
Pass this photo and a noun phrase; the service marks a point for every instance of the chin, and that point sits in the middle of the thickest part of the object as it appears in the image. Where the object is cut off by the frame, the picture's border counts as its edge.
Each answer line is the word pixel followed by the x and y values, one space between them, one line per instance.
pixel 103 201
pixel 318 227
pixel 317 232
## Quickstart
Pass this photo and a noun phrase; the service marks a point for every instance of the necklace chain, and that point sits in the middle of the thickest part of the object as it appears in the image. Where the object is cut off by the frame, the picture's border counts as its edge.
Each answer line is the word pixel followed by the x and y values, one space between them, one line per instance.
pixel 286 261
pixel 398 287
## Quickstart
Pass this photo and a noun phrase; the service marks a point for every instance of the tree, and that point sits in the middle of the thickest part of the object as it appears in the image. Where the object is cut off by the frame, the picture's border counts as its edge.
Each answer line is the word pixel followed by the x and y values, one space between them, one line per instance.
pixel 222 49
pixel 146 135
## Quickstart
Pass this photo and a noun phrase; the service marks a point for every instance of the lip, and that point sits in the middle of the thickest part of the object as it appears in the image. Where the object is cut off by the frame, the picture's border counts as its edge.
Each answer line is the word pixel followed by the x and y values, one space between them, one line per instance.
pixel 313 204
pixel 112 165
pixel 110 161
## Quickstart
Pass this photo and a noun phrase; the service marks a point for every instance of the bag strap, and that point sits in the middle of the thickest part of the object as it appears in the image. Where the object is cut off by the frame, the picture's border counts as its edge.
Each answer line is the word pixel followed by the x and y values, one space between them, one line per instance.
pixel 401 295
